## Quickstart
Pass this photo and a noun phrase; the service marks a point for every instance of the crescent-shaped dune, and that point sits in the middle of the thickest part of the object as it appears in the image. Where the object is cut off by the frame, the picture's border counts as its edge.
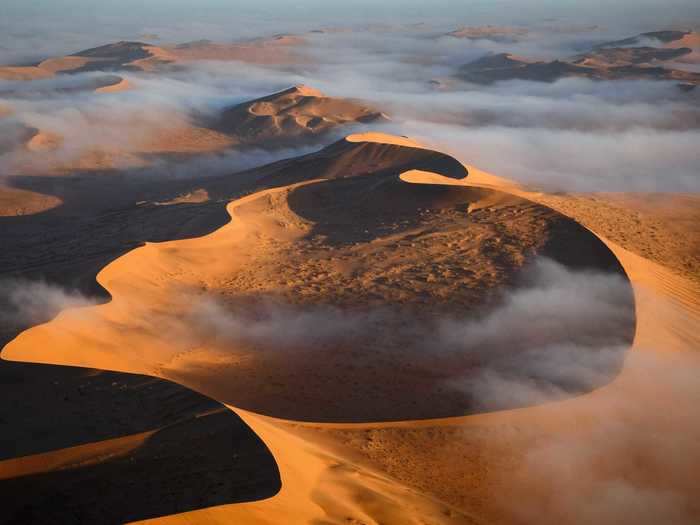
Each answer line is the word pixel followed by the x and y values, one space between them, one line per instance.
pixel 308 237
pixel 121 85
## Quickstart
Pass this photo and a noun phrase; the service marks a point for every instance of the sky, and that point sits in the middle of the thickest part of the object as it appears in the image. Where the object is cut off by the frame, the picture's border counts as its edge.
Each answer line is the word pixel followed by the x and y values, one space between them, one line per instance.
pixel 70 23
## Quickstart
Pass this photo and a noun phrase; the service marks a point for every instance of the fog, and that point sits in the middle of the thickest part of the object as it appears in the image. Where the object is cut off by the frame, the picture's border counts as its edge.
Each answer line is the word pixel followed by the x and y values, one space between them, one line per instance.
pixel 27 302
pixel 570 135
pixel 557 332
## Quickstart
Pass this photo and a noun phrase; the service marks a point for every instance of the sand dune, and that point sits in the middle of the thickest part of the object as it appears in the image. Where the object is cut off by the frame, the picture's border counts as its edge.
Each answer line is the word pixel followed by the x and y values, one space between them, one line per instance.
pixel 279 49
pixel 141 56
pixel 331 472
pixel 500 467
pixel 297 116
pixel 496 33
pixel 122 85
pixel 160 449
pixel 15 202
pixel 23 73
pixel 604 65
pixel 622 56
pixel 104 58
pixel 44 141
pixel 298 111
pixel 110 57
pixel 62 64
pixel 633 58
pixel 665 37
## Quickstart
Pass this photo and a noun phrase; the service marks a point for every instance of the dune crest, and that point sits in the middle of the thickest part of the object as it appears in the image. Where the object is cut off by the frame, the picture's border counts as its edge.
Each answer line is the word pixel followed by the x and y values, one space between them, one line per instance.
pixel 383 138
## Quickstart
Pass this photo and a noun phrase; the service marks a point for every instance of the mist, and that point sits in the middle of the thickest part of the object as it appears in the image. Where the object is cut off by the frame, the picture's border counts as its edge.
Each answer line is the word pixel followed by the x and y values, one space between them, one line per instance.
pixel 570 135
pixel 28 302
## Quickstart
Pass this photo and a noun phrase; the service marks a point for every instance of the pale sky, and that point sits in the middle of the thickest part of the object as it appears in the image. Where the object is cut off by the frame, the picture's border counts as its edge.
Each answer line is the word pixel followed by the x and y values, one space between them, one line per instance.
pixel 29 29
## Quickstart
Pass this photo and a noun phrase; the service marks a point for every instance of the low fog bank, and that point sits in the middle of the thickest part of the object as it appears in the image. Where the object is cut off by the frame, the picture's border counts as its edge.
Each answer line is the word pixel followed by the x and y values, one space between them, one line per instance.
pixel 557 333
pixel 572 134
pixel 560 331
pixel 634 464
pixel 25 302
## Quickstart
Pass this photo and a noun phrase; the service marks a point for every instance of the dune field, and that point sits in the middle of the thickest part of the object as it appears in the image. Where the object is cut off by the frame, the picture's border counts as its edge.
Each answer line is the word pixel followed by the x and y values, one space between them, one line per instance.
pixel 277 279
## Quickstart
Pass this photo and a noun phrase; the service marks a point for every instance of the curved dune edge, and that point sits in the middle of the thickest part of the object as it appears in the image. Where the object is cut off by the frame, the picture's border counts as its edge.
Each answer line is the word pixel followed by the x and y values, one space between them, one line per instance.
pixel 330 473
pixel 384 138
pixel 319 483
pixel 122 85
pixel 14 202
pixel 80 455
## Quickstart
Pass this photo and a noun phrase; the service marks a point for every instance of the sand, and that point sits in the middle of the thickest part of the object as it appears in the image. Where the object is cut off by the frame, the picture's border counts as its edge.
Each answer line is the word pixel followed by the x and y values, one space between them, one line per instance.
pixel 283 117
pixel 279 49
pixel 23 73
pixel 568 461
pixel 298 116
pixel 15 202
pixel 122 85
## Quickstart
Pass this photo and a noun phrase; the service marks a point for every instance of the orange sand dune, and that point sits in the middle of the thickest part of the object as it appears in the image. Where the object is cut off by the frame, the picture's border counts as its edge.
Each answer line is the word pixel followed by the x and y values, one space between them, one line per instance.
pixel 692 41
pixel 23 73
pixel 179 138
pixel 294 112
pixel 590 459
pixel 120 55
pixel 287 118
pixel 81 455
pixel 15 202
pixel 60 64
pixel 281 49
pixel 122 85
pixel 44 141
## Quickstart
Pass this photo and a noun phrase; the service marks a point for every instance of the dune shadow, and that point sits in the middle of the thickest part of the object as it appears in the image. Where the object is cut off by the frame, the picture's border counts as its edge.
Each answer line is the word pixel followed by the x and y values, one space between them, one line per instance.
pixel 200 462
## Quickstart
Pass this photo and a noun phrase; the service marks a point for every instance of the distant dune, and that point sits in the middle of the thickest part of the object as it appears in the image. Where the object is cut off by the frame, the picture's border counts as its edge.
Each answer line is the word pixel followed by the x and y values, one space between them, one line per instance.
pixel 23 73
pixel 295 112
pixel 296 116
pixel 605 63
pixel 632 58
pixel 140 56
pixel 497 33
pixel 15 202
pixel 122 85
pixel 280 49
pixel 620 56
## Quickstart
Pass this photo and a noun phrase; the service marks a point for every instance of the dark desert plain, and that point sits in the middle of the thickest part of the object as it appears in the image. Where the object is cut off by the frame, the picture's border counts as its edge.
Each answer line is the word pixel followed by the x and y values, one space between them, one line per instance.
pixel 343 263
